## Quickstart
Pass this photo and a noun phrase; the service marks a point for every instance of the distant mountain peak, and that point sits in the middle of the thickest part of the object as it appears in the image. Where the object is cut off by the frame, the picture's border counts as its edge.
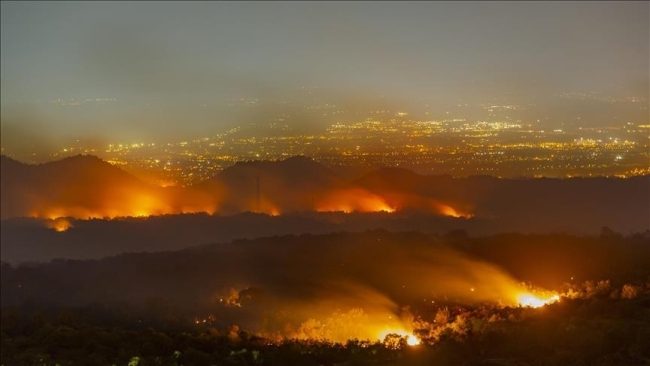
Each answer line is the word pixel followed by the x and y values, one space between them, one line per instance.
pixel 389 174
pixel 9 160
pixel 295 164
pixel 298 158
pixel 83 158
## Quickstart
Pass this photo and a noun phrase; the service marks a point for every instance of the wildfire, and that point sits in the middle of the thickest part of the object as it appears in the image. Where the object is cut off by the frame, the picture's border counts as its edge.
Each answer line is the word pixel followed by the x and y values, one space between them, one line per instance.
pixel 447 210
pixel 411 339
pixel 127 205
pixel 146 205
pixel 409 202
pixel 450 211
pixel 60 224
pixel 353 200
pixel 195 209
pixel 138 203
pixel 536 301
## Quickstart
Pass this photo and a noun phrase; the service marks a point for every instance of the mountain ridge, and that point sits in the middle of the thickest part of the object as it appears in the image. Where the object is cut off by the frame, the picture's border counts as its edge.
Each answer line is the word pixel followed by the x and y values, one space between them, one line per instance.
pixel 86 186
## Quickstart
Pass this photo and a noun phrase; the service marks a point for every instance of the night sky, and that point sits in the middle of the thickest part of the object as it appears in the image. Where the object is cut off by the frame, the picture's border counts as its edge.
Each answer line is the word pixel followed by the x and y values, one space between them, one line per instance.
pixel 163 61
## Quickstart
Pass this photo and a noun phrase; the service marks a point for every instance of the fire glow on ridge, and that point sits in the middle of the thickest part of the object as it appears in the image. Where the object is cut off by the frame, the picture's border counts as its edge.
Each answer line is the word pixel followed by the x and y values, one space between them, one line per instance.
pixel 534 301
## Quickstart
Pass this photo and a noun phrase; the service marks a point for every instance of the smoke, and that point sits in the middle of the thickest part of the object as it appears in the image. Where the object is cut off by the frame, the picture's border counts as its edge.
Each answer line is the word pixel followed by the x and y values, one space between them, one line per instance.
pixel 161 78
pixel 312 286
pixel 32 131
pixel 23 130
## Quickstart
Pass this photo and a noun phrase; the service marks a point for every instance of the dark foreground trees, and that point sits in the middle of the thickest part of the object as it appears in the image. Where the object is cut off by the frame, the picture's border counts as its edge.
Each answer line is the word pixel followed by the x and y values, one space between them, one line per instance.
pixel 595 331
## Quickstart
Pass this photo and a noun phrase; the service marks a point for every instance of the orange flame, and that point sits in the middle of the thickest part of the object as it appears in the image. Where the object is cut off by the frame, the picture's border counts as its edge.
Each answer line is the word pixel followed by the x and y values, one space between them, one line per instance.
pixel 126 203
pixel 353 200
pixel 130 202
pixel 528 299
pixel 411 339
pixel 60 224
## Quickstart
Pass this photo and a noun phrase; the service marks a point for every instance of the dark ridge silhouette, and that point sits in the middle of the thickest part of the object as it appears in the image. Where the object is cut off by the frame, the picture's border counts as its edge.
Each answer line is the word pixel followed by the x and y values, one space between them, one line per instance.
pixel 30 239
pixel 296 171
pixel 295 184
pixel 468 189
pixel 10 164
pixel 405 266
pixel 87 170
pixel 391 178
pixel 564 204
pixel 13 176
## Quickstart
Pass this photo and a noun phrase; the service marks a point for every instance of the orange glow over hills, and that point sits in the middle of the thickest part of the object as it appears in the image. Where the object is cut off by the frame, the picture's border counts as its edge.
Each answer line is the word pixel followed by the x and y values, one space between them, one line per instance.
pixel 411 339
pixel 85 187
pixel 124 205
pixel 352 200
pixel 152 204
pixel 60 224
pixel 450 211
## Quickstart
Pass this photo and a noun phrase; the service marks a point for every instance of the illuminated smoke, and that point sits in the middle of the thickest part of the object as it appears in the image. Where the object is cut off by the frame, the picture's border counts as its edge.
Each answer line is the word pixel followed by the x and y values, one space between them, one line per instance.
pixel 322 298
pixel 60 224
pixel 352 200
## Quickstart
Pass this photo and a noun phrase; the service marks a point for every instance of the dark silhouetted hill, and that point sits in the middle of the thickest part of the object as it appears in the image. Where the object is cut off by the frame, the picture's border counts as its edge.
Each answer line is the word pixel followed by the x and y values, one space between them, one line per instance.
pixel 293 184
pixel 405 266
pixel 75 186
pixel 557 204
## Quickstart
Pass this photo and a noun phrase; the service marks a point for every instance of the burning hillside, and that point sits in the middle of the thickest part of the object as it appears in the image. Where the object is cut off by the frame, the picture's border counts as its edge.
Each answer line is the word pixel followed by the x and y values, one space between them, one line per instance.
pixel 375 297
pixel 85 187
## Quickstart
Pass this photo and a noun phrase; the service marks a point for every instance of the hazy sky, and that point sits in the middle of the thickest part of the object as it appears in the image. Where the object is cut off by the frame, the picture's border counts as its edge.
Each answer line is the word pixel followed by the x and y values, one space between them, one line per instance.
pixel 185 54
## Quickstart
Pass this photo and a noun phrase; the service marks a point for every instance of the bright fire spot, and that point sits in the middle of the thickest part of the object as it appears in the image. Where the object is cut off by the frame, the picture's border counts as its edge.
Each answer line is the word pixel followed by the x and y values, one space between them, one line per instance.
pixel 136 208
pixel 411 339
pixel 165 183
pixel 352 200
pixel 146 205
pixel 386 208
pixel 450 211
pixel 60 224
pixel 534 301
